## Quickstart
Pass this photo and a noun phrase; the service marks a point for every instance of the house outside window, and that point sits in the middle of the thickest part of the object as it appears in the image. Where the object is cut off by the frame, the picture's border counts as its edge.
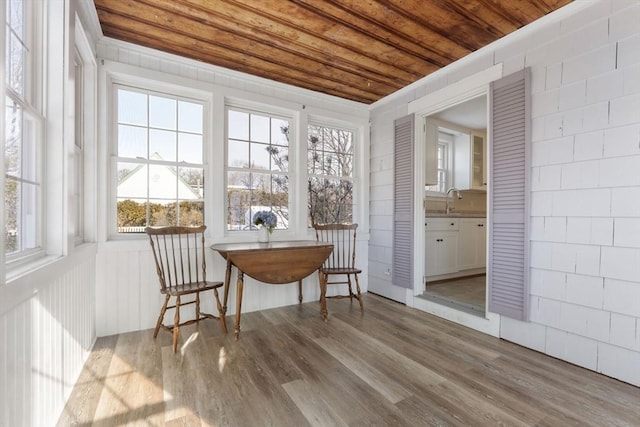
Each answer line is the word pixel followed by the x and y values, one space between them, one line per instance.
pixel 159 160
pixel 23 132
pixel 257 167
pixel 330 164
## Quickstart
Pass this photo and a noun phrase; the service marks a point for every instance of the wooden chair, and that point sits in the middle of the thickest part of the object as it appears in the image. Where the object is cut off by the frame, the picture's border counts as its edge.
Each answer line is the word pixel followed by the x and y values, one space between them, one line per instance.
pixel 180 264
pixel 342 260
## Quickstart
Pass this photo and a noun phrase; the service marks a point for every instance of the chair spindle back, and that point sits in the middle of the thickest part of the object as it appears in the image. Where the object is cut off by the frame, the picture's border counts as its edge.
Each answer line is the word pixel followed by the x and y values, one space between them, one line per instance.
pixel 179 254
pixel 343 238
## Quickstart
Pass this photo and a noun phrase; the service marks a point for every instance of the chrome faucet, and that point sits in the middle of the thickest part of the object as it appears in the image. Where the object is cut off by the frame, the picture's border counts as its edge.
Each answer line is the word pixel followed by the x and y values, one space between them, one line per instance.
pixel 448 208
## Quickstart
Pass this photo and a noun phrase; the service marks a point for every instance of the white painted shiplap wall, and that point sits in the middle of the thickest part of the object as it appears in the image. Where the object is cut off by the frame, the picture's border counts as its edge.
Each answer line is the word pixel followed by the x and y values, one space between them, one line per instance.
pixel 585 214
pixel 47 328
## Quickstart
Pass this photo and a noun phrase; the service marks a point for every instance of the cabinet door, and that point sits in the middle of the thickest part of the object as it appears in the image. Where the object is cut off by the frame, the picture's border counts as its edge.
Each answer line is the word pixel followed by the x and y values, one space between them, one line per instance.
pixel 478 161
pixel 482 243
pixel 448 252
pixel 431 248
pixel 468 243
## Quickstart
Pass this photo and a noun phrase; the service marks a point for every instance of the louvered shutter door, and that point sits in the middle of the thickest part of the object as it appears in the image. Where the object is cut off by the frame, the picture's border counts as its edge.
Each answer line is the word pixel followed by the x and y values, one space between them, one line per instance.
pixel 402 268
pixel 508 265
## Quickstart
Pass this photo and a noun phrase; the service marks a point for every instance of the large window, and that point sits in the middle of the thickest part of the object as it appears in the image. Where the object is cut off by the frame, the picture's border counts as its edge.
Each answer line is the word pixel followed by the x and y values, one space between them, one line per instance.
pixel 330 168
pixel 160 160
pixel 23 132
pixel 257 167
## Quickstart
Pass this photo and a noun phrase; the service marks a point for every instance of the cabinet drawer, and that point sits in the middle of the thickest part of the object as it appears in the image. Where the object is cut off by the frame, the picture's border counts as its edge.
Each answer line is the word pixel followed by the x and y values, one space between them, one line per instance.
pixel 441 224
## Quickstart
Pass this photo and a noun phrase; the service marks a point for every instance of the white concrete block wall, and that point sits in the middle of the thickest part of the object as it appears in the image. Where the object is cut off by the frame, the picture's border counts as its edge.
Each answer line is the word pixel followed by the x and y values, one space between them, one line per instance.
pixel 585 181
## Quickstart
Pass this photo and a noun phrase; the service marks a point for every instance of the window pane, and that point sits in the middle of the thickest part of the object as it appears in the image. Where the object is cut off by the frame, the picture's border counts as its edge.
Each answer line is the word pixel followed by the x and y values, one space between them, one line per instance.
pixel 260 130
pixel 16 64
pixel 279 157
pixel 238 125
pixel 132 108
pixel 190 183
pixel 238 156
pixel 260 158
pixel 280 199
pixel 162 112
pixel 191 213
pixel 163 212
pixel 13 139
pixel 280 132
pixel 163 182
pixel 15 16
pixel 238 196
pixel 11 214
pixel 132 216
pixel 162 145
pixel 132 142
pixel 189 148
pixel 132 181
pixel 190 116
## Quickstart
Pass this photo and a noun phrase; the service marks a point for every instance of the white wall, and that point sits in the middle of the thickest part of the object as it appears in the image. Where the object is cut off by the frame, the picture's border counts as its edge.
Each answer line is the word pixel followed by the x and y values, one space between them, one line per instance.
pixel 585 191
pixel 128 295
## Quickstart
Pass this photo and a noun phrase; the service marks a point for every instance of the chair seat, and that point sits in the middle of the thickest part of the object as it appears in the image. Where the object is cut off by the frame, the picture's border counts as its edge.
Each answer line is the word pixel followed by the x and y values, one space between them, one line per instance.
pixel 189 288
pixel 344 270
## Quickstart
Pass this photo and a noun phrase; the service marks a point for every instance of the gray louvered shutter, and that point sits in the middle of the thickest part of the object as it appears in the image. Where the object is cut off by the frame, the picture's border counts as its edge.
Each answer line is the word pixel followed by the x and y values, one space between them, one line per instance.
pixel 402 269
pixel 508 264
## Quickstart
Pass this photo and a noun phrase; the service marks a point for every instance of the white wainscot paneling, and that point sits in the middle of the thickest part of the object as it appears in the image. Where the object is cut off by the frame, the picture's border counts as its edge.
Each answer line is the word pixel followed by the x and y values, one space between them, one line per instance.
pixel 45 338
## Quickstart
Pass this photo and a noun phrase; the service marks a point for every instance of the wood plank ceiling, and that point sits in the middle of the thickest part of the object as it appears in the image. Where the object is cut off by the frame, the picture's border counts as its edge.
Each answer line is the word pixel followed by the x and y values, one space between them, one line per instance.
pixel 360 50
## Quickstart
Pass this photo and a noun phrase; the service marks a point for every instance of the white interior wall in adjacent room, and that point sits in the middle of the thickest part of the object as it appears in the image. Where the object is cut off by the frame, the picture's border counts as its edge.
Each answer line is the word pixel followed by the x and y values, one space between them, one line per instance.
pixel 128 293
pixel 585 214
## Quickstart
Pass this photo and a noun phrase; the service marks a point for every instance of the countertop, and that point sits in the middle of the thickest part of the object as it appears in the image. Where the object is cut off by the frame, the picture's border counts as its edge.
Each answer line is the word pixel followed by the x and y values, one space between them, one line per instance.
pixel 455 215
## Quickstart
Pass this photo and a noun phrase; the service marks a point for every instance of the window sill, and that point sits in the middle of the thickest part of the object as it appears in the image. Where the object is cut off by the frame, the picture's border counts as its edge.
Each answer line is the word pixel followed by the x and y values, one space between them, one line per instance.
pixel 15 272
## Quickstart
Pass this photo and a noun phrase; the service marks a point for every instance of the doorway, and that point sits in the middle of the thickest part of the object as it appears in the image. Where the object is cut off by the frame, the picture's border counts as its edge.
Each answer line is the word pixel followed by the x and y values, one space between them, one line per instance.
pixel 455 207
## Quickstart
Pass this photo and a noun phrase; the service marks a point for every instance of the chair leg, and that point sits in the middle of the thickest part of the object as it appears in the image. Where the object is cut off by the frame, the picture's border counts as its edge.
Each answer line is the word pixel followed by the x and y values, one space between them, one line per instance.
pixel 176 324
pixel 359 294
pixel 161 317
pixel 223 321
pixel 350 288
pixel 197 308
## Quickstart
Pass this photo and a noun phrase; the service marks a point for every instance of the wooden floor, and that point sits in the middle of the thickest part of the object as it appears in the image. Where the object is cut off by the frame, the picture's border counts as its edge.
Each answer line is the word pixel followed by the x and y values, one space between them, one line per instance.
pixel 392 366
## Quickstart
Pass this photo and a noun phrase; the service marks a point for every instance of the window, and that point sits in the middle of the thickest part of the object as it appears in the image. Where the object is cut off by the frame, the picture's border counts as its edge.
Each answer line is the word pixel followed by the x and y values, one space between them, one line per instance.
pixel 330 168
pixel 445 142
pixel 78 151
pixel 23 133
pixel 159 160
pixel 257 167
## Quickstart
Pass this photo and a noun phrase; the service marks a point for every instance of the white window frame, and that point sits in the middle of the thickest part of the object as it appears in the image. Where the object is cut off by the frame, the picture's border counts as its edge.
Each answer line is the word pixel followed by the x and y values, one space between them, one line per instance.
pixel 31 105
pixel 292 164
pixel 355 169
pixel 116 79
pixel 446 145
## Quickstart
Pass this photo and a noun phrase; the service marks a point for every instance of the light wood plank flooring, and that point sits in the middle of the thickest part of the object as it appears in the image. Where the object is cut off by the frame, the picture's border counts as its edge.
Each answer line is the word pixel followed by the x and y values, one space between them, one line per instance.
pixel 392 366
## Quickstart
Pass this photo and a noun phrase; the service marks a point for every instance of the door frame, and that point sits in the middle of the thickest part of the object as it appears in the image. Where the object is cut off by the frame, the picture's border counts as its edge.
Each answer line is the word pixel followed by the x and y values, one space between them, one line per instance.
pixel 453 94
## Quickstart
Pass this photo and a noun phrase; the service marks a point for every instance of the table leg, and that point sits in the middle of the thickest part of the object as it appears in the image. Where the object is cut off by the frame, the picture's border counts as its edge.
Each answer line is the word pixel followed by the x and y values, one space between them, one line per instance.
pixel 240 285
pixel 300 291
pixel 323 295
pixel 227 283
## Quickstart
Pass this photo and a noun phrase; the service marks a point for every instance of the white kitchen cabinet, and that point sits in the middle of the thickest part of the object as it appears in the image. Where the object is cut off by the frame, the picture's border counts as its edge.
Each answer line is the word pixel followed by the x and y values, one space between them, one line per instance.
pixel 470 171
pixel 441 246
pixel 472 243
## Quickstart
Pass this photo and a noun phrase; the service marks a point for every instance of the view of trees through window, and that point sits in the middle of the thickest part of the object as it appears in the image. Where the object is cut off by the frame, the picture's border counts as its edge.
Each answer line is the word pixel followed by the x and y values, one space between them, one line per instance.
pixel 160 173
pixel 330 168
pixel 257 168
